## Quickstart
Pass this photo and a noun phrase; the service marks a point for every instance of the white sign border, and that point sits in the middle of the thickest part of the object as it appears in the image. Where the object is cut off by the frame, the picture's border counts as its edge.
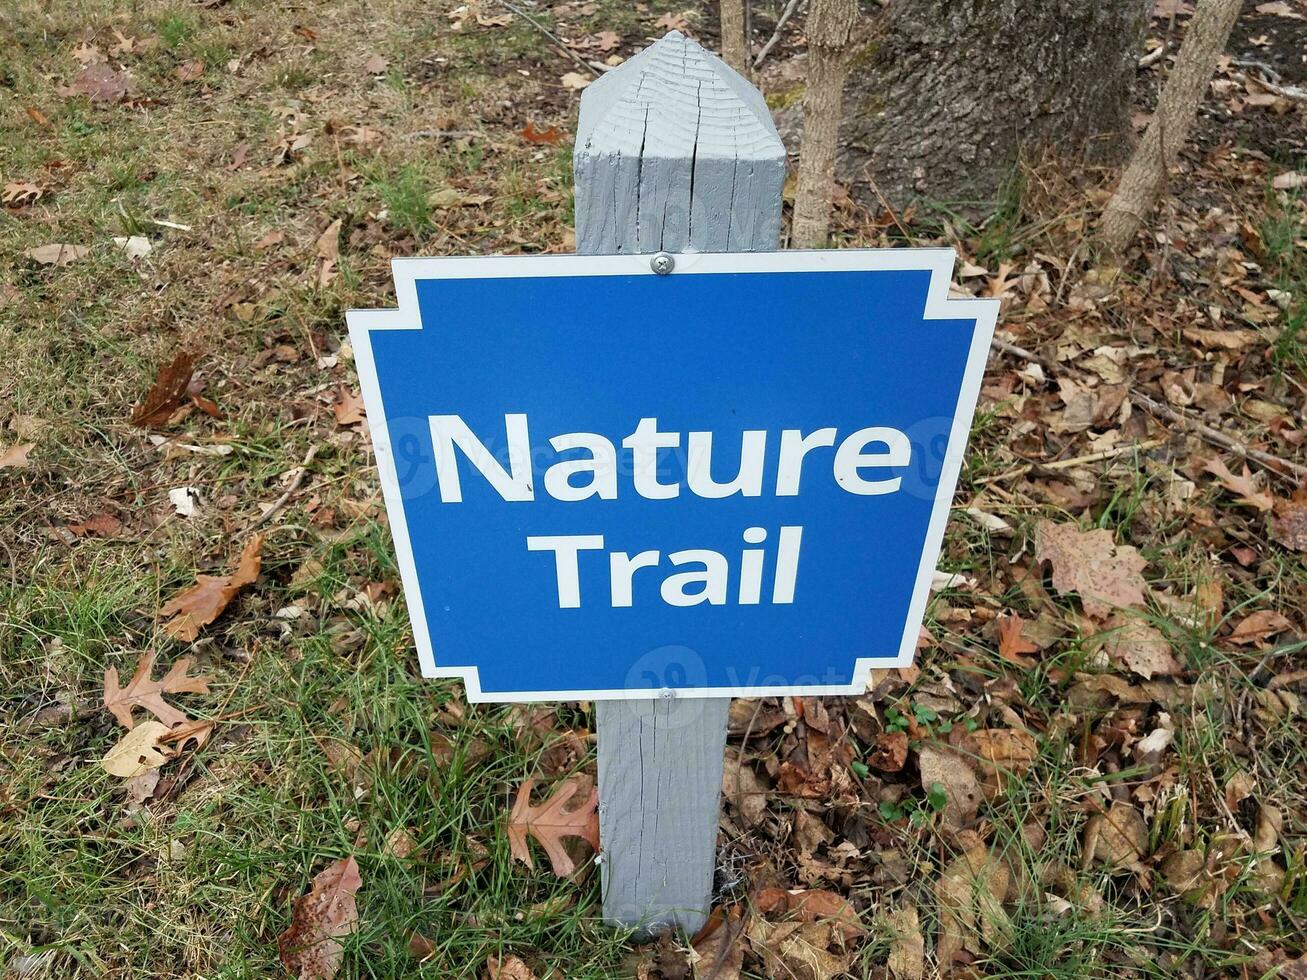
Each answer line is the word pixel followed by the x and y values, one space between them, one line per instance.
pixel 939 262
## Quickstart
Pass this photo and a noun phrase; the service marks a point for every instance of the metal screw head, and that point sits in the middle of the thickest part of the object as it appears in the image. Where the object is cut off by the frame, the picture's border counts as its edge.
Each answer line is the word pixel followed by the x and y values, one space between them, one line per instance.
pixel 662 263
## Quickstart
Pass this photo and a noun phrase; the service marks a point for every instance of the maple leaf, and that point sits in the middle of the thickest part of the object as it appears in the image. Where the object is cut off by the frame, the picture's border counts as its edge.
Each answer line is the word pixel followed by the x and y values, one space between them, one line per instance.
pixel 1241 486
pixel 550 823
pixel 1011 644
pixel 204 601
pixel 166 394
pixel 310 948
pixel 143 692
pixel 1092 564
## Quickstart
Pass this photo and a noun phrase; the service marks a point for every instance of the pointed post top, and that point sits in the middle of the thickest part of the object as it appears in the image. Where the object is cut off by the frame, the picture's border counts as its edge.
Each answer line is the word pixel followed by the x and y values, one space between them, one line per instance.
pixel 675 98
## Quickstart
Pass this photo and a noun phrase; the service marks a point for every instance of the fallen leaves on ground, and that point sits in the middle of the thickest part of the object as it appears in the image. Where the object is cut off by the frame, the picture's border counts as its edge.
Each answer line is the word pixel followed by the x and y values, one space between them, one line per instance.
pixel 575 81
pixel 718 948
pixel 508 968
pixel 137 751
pixel 552 136
pixel 99 82
pixel 1117 837
pixel 971 892
pixel 553 821
pixel 1242 486
pixel 15 457
pixel 311 947
pixel 19 194
pixel 907 947
pixel 167 393
pixel 949 768
pixel 1104 574
pixel 1011 644
pixel 1132 643
pixel 1289 525
pixel 144 692
pixel 204 601
pixel 814 940
pixel 58 254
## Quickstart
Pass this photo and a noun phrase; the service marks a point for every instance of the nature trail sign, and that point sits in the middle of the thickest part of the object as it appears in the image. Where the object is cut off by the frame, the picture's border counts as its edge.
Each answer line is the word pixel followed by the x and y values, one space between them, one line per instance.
pixel 662 480
pixel 727 480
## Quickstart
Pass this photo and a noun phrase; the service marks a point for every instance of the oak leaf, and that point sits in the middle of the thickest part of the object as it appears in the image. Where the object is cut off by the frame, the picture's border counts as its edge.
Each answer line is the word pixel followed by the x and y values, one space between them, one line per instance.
pixel 1132 643
pixel 311 948
pixel 551 822
pixel 1241 486
pixel 166 394
pixel 204 601
pixel 99 82
pixel 143 692
pixel 1105 574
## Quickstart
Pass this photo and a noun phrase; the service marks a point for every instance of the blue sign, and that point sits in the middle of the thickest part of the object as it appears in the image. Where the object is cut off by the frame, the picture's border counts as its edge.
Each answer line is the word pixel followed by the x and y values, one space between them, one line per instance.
pixel 730 480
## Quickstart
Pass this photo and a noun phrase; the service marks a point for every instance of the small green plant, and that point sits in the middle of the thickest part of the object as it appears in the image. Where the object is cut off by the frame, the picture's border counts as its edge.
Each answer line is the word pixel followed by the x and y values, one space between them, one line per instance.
pixel 175 30
pixel 913 810
pixel 405 198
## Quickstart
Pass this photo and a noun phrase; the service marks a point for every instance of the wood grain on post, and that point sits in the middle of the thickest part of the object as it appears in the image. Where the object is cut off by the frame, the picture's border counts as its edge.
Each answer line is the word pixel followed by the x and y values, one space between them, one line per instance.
pixel 674 152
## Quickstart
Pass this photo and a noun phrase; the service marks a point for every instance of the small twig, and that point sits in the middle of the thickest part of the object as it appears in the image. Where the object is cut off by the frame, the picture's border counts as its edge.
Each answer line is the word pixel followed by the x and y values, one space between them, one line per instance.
pixel 1282 468
pixel 786 14
pixel 298 474
pixel 1154 56
pixel 1066 464
pixel 558 41
pixel 424 134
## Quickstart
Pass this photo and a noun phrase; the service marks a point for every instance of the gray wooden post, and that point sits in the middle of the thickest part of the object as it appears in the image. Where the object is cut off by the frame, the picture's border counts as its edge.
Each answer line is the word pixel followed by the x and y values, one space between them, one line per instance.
pixel 674 152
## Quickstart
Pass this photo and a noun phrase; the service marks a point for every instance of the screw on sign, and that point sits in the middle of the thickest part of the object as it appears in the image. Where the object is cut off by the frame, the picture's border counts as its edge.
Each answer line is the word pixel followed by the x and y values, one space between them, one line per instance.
pixel 676 468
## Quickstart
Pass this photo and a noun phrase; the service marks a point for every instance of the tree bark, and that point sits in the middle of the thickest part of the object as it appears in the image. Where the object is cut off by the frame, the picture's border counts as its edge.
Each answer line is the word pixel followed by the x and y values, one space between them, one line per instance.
pixel 829 29
pixel 1169 128
pixel 952 94
pixel 735 48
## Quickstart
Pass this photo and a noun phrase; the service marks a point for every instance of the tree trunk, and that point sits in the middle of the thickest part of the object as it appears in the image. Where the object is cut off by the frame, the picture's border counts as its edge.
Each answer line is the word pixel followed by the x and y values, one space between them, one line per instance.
pixel 735 49
pixel 829 29
pixel 1169 128
pixel 952 94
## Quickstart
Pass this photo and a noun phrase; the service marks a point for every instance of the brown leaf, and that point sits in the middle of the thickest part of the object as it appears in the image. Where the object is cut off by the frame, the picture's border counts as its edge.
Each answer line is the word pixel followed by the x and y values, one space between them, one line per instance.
pixel 143 692
pixel 1092 564
pixel 1132 643
pixel 311 949
pixel 348 407
pixel 907 948
pixel 1259 626
pixel 137 752
pixel 970 893
pixel 20 193
pixel 508 968
pixel 15 457
pixel 1118 838
pixel 376 64
pixel 102 525
pixel 552 135
pixel 189 70
pixel 1011 644
pixel 891 752
pixel 58 254
pixel 811 905
pixel 100 82
pixel 1241 486
pixel 608 40
pixel 1004 754
pixel 550 823
pixel 943 765
pixel 328 243
pixel 204 601
pixel 1289 525
pixel 166 394
pixel 719 946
